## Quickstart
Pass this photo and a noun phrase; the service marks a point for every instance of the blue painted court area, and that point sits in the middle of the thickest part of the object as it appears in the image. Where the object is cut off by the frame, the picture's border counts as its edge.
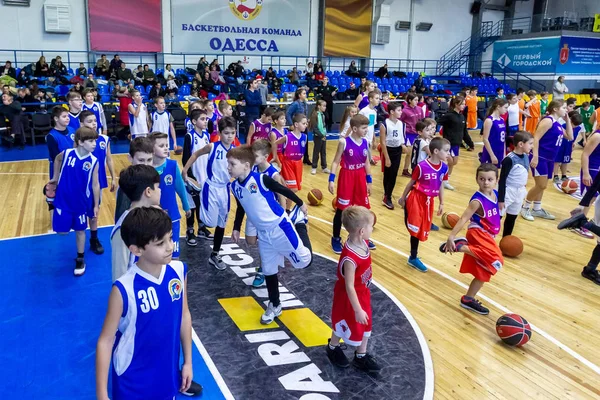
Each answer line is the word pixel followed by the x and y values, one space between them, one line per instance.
pixel 50 320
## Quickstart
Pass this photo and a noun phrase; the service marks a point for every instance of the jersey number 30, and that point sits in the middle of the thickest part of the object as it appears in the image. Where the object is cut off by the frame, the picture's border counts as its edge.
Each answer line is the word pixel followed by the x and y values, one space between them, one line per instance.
pixel 149 299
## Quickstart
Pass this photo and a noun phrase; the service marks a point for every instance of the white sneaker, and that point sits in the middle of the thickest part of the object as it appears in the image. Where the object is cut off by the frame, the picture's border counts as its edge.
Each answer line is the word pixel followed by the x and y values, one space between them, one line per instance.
pixel 326 171
pixel 313 171
pixel 448 186
pixel 543 214
pixel 270 313
pixel 526 214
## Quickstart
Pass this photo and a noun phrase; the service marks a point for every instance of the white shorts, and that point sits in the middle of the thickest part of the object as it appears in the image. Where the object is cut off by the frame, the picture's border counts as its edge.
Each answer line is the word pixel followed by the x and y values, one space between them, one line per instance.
pixel 215 205
pixel 369 136
pixel 280 243
pixel 250 229
pixel 513 200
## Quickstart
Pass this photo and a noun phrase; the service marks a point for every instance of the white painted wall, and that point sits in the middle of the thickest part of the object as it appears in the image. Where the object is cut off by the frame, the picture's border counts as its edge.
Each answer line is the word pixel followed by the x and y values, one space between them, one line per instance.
pixel 524 9
pixel 584 8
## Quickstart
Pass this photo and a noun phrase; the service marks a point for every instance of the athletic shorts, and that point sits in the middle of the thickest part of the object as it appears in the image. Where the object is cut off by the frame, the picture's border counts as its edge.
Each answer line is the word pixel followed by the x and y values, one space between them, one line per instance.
pixel 291 170
pixel 564 152
pixel 454 151
pixel 484 157
pixel 544 168
pixel 63 221
pixel 176 233
pixel 343 321
pixel 488 258
pixel 410 138
pixel 281 243
pixel 513 200
pixel 90 212
pixel 512 130
pixel 352 189
pixel 583 188
pixel 250 229
pixel 418 213
pixel 215 205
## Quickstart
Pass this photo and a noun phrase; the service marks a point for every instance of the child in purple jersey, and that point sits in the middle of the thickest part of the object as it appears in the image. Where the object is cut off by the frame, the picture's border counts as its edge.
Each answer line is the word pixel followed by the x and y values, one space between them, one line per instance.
pixel 563 157
pixel 482 257
pixel 277 132
pixel 547 140
pixel 494 134
pixel 362 100
pixel 261 128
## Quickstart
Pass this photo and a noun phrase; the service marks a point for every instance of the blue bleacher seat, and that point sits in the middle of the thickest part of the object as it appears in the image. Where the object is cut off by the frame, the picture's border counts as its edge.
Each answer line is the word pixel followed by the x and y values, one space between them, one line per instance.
pixel 395 89
pixel 90 71
pixel 103 89
pixel 217 87
pixel 148 88
pixel 140 89
pixel 105 98
pixel 185 90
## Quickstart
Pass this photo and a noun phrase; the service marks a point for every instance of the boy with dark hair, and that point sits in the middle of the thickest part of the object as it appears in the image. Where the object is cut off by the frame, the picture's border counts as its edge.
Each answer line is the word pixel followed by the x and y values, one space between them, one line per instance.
pixel 261 128
pixel 76 177
pixel 90 105
pixel 75 102
pixel 148 308
pixel 281 236
pixel 215 193
pixel 171 185
pixel 60 138
pixel 392 133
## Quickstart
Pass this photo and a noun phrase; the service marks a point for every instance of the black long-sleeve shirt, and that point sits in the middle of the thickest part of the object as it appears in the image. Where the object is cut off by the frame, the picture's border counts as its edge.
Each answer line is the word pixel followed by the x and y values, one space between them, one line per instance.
pixel 591 192
pixel 455 127
pixel 274 187
pixel 506 165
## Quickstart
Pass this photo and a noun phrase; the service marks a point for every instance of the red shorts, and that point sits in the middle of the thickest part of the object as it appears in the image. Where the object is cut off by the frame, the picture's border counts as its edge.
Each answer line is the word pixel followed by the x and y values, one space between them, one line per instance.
pixel 343 321
pixel 419 214
pixel 352 189
pixel 291 170
pixel 488 257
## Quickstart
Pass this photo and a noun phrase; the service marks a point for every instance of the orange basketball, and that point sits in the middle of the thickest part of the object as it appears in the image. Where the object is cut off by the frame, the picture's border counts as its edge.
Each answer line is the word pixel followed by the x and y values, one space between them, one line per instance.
pixel 178 150
pixel 334 203
pixel 449 220
pixel 569 186
pixel 511 246
pixel 315 197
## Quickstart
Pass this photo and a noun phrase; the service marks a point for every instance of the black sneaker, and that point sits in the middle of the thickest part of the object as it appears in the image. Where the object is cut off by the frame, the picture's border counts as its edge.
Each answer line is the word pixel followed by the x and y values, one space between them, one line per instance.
pixel 366 363
pixel 387 202
pixel 591 274
pixel 204 233
pixel 573 222
pixel 308 162
pixel 96 246
pixel 474 305
pixel 190 238
pixel 337 356
pixel 79 266
pixel 195 389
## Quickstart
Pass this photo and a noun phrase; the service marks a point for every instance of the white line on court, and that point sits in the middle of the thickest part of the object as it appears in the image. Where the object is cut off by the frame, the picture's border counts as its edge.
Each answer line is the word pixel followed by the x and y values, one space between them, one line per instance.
pixel 541 332
pixel 212 367
pixel 24 173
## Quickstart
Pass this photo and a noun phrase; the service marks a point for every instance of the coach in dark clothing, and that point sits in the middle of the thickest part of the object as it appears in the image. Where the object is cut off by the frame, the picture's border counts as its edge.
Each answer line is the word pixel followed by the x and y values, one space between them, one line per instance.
pixel 454 125
pixel 253 103
pixel 11 110
pixel 352 91
pixel 326 92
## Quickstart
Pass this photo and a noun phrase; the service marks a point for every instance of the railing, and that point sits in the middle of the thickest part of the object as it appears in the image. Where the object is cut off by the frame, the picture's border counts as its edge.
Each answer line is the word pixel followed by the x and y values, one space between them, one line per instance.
pixel 545 23
pixel 511 77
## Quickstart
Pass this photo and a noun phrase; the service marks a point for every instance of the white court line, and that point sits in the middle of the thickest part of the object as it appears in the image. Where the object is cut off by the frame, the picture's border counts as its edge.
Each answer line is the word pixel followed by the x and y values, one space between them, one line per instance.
pixel 24 173
pixel 212 367
pixel 541 332
pixel 427 361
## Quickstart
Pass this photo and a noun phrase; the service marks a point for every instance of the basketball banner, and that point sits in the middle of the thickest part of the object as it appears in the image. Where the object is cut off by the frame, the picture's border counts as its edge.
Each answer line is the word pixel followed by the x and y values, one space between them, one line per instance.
pixel 241 26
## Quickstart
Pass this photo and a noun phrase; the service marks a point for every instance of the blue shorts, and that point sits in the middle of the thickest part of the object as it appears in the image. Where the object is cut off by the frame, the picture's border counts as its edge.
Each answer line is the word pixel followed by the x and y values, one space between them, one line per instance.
pixel 63 221
pixel 410 138
pixel 176 232
pixel 544 168
pixel 454 151
pixel 90 212
pixel 512 130
pixel 564 152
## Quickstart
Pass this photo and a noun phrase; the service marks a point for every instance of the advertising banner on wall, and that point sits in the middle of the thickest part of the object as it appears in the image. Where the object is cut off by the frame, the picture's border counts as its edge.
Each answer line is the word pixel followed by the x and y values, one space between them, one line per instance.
pixel 578 55
pixel 261 27
pixel 528 56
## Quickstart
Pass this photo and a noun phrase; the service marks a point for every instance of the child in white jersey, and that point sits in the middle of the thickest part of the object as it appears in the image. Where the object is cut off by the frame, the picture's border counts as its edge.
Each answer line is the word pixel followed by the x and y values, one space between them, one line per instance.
pixel 138 116
pixel 370 112
pixel 162 120
pixel 392 134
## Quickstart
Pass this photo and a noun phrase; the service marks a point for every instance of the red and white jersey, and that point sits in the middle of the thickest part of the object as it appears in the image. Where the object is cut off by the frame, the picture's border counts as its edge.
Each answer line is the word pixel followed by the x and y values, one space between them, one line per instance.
pixel 363 273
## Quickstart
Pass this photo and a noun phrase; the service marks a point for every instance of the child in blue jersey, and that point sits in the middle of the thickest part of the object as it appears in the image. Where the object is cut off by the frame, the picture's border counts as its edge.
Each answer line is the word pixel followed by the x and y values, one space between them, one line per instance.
pixel 196 138
pixel 261 149
pixel 76 176
pixel 60 138
pixel 75 103
pixel 104 157
pixel 215 191
pixel 171 185
pixel 148 309
pixel 162 120
pixel 90 105
pixel 281 236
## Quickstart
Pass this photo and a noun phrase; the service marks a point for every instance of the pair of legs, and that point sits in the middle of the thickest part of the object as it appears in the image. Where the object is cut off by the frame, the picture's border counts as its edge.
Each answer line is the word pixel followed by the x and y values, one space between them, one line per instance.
pixel 361 349
pixel 562 168
pixel 319 150
pixel 391 173
pixel 534 197
pixel 408 150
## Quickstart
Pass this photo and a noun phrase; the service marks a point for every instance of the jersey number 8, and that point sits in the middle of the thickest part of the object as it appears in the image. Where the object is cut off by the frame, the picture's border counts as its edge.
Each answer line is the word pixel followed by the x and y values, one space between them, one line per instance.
pixel 149 299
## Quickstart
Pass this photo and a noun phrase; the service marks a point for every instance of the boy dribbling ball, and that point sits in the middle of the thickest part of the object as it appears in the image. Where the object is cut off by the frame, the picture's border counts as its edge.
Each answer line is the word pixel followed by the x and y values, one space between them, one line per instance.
pixel 351 314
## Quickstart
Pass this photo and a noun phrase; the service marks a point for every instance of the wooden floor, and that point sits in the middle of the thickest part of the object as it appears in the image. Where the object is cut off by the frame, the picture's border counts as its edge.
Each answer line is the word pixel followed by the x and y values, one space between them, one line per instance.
pixel 544 285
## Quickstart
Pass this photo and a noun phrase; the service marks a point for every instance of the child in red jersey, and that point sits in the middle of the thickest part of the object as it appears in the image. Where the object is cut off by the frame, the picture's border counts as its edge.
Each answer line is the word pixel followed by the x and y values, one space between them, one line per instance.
pixel 351 314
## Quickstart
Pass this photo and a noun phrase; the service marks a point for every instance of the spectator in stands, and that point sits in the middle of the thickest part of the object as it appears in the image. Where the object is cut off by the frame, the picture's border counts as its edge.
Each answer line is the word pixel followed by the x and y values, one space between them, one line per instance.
pixel 171 96
pixel 253 102
pixel 202 63
pixel 326 92
pixel 102 67
pixel 8 70
pixel 419 85
pixel 382 72
pixel 22 79
pixel 309 75
pixel 215 75
pixel 11 110
pixel 77 88
pixel 270 76
pixel 500 93
pixel 124 75
pixel 149 77
pixel 352 91
pixel 197 79
pixel 263 89
pixel 595 101
pixel 319 74
pixel 238 71
pixel 81 71
pixel 559 89
pixel 215 62
pixel 138 76
pixel 353 70
pixel 157 90
pixel 169 72
pixel 293 76
pixel 317 66
pixel 41 68
pixel 59 71
pixel 5 89
pixel 208 85
pixel 25 97
pixel 115 64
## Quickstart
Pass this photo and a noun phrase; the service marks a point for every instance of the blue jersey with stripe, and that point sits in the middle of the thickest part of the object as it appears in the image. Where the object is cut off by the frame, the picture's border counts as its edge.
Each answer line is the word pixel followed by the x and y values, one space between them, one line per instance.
pixel 260 204
pixel 74 190
pixel 145 362
pixel 100 153
pixel 74 121
pixel 168 195
pixel 64 140
pixel 216 168
pixel 95 108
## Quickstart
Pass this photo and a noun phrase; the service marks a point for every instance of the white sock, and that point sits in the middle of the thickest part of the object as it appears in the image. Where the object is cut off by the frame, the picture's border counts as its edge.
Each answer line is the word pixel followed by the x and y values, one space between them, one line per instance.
pixel 527 205
pixel 537 206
